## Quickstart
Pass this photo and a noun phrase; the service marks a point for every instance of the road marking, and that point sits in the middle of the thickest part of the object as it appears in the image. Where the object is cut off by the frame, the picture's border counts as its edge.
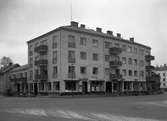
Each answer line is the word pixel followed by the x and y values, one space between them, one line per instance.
pixel 69 114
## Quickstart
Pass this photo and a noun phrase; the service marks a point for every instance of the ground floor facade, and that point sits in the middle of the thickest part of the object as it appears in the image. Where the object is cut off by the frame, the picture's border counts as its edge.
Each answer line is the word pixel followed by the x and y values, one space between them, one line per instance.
pixel 80 87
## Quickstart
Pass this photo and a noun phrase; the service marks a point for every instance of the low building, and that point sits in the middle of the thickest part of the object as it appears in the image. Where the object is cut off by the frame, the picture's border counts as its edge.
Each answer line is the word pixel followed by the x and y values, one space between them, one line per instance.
pixel 4 77
pixel 18 78
pixel 162 71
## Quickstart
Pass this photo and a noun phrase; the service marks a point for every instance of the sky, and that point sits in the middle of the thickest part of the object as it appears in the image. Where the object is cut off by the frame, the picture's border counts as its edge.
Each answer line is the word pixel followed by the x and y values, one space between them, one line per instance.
pixel 23 20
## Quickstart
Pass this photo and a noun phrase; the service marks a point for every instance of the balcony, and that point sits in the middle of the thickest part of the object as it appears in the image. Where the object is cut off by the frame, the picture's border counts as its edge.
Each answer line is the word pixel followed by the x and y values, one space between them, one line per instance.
pixel 42 49
pixel 41 77
pixel 115 63
pixel 149 57
pixel 71 75
pixel 115 76
pixel 115 51
pixel 150 67
pixel 41 62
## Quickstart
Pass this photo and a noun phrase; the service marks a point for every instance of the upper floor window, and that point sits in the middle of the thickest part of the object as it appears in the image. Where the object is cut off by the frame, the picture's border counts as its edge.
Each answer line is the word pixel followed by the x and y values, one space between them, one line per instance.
pixel 43 42
pixel 31 75
pixel 71 71
pixel 71 56
pixel 107 71
pixel 95 57
pixel 141 63
pixel 142 74
pixel 54 42
pixel 31 62
pixel 83 41
pixel 124 48
pixel 107 44
pixel 135 62
pixel 124 72
pixel 95 42
pixel 129 49
pixel 130 61
pixel 163 74
pixel 135 73
pixel 135 50
pixel 54 59
pixel 71 41
pixel 107 58
pixel 83 70
pixel 95 71
pixel 117 45
pixel 83 55
pixel 141 51
pixel 54 74
pixel 124 60
pixel 130 72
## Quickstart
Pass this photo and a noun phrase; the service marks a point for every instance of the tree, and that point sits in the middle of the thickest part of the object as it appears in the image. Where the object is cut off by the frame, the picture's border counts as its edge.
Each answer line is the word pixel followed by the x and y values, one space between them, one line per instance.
pixel 5 61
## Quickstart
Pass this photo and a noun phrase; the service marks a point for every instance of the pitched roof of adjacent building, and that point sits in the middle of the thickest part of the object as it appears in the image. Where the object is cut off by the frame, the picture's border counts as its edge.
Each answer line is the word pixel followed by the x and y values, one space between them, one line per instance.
pixel 8 68
pixel 161 68
pixel 21 68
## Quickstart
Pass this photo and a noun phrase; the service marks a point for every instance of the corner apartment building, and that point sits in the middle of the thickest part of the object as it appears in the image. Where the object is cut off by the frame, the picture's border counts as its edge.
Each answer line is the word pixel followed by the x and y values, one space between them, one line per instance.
pixel 162 71
pixel 76 59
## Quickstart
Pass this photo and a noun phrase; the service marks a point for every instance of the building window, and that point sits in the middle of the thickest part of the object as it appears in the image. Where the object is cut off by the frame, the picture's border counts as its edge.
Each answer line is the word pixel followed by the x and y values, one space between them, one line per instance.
pixel 130 72
pixel 41 86
pixel 135 62
pixel 124 60
pixel 49 86
pixel 71 41
pixel 83 70
pixel 141 51
pixel 71 56
pixel 163 79
pixel 43 42
pixel 83 55
pixel 71 72
pixel 70 85
pixel 95 70
pixel 130 61
pixel 164 84
pixel 163 74
pixel 107 58
pixel 95 57
pixel 56 85
pixel 54 59
pixel 135 50
pixel 124 72
pixel 31 62
pixel 95 42
pixel 107 71
pixel 55 71
pixel 83 41
pixel 54 42
pixel 31 75
pixel 107 44
pixel 124 48
pixel 117 45
pixel 141 63
pixel 135 73
pixel 129 49
pixel 141 74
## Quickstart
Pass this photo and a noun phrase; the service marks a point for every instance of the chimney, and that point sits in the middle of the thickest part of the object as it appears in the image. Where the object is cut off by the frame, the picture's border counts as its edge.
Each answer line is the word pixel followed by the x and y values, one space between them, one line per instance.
pixel 109 32
pixel 118 35
pixel 74 24
pixel 98 29
pixel 132 39
pixel 82 26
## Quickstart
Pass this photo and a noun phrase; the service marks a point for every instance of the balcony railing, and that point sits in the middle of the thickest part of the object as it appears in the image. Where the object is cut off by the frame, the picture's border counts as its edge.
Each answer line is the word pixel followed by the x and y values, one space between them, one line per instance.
pixel 115 63
pixel 41 62
pixel 149 57
pixel 150 67
pixel 71 75
pixel 115 51
pixel 115 76
pixel 42 49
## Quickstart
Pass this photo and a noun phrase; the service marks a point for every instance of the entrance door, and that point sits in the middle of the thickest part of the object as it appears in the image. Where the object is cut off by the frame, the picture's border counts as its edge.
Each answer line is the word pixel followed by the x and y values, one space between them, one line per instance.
pixel 108 87
pixel 84 87
pixel 35 89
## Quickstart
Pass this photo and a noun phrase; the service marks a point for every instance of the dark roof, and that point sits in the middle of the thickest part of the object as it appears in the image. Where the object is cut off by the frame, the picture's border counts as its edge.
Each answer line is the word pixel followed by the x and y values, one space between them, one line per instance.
pixel 21 68
pixel 161 68
pixel 8 68
pixel 87 31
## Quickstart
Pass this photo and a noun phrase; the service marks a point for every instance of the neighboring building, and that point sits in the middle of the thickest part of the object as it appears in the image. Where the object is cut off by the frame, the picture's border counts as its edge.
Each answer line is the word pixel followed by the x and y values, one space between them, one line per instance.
pixel 4 77
pixel 75 59
pixel 19 77
pixel 162 71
